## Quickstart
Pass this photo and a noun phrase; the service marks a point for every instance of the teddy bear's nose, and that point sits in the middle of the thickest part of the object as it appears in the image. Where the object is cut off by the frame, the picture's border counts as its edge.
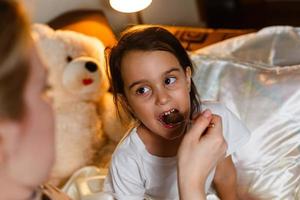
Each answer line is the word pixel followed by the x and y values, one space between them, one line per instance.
pixel 91 66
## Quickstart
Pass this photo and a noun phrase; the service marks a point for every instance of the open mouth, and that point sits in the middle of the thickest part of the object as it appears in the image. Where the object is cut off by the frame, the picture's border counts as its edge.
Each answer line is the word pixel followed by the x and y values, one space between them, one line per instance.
pixel 171 118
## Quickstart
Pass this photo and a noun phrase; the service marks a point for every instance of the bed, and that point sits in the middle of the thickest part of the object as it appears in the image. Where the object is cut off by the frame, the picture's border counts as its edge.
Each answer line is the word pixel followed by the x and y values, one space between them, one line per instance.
pixel 256 74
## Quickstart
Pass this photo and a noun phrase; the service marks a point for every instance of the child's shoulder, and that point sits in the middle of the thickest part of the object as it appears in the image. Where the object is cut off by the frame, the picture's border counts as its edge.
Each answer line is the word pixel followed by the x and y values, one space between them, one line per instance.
pixel 128 147
pixel 235 132
pixel 216 107
pixel 126 160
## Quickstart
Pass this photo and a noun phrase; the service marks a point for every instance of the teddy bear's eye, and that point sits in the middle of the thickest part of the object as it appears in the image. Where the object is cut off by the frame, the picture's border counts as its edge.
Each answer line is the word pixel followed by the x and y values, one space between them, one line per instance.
pixel 69 58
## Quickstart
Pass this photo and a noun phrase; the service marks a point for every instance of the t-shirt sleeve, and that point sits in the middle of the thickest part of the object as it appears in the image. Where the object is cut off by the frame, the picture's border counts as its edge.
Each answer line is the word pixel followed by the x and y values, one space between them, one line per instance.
pixel 235 133
pixel 124 179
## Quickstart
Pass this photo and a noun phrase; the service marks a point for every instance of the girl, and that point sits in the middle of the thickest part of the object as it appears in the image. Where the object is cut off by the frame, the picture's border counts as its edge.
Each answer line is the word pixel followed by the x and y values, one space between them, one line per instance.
pixel 150 75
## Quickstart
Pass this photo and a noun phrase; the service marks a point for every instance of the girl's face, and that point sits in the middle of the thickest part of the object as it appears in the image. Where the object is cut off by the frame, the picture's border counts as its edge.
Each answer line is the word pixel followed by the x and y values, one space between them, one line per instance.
pixel 156 85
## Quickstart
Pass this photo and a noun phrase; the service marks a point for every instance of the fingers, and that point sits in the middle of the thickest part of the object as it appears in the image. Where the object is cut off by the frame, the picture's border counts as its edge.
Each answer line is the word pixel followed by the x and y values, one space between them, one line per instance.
pixel 216 135
pixel 53 192
pixel 207 129
pixel 200 123
pixel 215 122
pixel 51 187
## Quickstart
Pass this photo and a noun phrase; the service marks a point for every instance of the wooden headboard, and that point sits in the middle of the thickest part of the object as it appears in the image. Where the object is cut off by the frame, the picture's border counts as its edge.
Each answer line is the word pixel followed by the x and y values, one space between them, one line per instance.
pixel 89 22
pixel 94 23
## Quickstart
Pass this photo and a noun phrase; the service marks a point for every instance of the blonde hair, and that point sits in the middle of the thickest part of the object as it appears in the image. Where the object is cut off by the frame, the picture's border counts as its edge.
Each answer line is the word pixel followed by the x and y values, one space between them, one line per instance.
pixel 14 59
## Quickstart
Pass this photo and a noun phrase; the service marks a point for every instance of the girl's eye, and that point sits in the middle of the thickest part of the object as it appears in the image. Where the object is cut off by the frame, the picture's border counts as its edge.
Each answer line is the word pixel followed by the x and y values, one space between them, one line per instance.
pixel 170 80
pixel 142 90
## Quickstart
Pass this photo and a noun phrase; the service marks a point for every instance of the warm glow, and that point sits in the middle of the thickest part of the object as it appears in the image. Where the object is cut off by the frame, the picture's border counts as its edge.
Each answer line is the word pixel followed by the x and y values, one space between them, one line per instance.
pixel 129 6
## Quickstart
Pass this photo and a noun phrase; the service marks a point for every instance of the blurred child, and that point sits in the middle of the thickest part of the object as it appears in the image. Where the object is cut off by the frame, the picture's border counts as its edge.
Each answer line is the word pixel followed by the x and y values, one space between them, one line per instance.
pixel 26 119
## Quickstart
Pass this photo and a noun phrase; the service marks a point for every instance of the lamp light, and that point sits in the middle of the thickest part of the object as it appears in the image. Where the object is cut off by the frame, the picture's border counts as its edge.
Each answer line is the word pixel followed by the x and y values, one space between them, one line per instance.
pixel 130 6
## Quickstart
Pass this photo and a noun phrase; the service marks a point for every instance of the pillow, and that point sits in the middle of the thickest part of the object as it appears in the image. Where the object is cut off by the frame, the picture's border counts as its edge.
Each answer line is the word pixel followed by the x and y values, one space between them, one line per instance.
pixel 257 76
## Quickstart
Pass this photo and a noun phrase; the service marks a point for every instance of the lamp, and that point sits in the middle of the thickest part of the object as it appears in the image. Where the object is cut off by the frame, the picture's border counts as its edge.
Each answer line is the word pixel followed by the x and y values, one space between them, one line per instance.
pixel 130 6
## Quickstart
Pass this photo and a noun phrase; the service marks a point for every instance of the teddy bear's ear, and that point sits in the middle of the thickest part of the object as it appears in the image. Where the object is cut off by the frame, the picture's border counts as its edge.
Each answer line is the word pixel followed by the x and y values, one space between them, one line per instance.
pixel 41 31
pixel 43 36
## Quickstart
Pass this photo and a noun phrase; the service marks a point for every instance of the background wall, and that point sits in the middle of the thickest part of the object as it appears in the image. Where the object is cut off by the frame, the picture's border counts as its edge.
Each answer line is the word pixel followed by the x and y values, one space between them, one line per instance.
pixel 169 12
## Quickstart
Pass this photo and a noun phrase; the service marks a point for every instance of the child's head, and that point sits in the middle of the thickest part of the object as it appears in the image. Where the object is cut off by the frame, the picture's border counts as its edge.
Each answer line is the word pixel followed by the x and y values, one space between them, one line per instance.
pixel 142 42
pixel 26 120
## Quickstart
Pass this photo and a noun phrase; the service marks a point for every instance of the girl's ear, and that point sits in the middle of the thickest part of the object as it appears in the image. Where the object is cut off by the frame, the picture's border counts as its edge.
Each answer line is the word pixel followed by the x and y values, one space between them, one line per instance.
pixel 188 75
pixel 10 134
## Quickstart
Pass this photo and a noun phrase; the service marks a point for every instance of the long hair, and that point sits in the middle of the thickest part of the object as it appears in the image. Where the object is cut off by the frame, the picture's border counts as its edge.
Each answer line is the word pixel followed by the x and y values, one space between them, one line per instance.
pixel 146 39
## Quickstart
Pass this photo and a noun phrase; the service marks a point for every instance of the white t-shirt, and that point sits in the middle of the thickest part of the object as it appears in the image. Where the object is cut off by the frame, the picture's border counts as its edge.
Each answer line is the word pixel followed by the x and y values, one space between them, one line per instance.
pixel 136 174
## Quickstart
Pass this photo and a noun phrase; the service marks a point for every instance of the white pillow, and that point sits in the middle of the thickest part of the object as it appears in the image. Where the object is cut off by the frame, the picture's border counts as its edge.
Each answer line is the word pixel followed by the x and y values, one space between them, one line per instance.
pixel 258 77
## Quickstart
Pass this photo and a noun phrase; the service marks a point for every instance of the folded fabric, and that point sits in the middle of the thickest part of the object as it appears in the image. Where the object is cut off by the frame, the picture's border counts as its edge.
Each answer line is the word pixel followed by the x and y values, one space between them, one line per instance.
pixel 86 184
pixel 257 76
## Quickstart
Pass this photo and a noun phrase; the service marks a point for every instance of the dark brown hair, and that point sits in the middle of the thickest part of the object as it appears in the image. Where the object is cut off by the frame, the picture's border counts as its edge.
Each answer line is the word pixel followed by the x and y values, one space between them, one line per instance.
pixel 14 61
pixel 150 38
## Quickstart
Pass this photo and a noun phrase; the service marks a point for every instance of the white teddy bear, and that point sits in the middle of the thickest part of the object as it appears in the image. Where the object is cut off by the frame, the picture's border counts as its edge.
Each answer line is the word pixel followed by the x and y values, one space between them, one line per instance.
pixel 86 121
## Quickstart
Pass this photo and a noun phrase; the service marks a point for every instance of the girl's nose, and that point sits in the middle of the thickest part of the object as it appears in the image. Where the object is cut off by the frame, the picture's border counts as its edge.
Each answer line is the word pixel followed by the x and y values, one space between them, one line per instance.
pixel 162 96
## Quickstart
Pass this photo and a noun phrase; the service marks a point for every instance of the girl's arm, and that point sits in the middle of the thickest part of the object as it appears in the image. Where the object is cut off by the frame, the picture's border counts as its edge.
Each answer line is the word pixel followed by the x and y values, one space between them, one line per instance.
pixel 225 180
